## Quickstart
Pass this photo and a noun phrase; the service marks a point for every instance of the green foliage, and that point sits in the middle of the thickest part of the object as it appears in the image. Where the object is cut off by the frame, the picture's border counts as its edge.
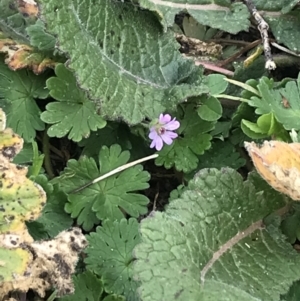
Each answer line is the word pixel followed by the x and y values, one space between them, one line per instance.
pixel 110 198
pixel 291 224
pixel 212 235
pixel 118 65
pixel 39 38
pixel 110 256
pixel 53 219
pixel 284 103
pixel 265 126
pixel 193 141
pixel 74 113
pixel 127 91
pixel 18 93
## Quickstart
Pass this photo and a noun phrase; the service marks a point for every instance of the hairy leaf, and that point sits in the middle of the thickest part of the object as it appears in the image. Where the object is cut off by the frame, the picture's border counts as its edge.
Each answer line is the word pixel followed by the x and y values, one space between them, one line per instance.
pixel 227 16
pixel 212 243
pixel 109 255
pixel 130 75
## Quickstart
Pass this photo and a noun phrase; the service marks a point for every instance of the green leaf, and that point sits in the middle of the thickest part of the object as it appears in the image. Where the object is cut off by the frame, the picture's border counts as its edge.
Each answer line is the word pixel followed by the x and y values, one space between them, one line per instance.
pixel 110 256
pixel 210 109
pixel 291 224
pixel 113 133
pixel 74 113
pixel 286 23
pixel 211 243
pixel 39 38
pixel 110 198
pixel 18 90
pixel 114 298
pixel 293 294
pixel 221 154
pixel 12 22
pixel 252 130
pixel 284 103
pixel 194 29
pixel 193 141
pixel 206 13
pixel 25 156
pixel 216 84
pixel 130 75
pixel 53 219
pixel 87 287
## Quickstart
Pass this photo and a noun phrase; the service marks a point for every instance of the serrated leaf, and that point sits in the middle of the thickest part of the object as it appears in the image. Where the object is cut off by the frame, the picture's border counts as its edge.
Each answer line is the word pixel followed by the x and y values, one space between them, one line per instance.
pixel 113 133
pixel 158 79
pixel 87 287
pixel 209 14
pixel 25 155
pixel 210 109
pixel 39 38
pixel 221 154
pixel 284 103
pixel 193 141
pixel 74 113
pixel 110 255
pixel 53 218
pixel 211 244
pixel 109 198
pixel 18 90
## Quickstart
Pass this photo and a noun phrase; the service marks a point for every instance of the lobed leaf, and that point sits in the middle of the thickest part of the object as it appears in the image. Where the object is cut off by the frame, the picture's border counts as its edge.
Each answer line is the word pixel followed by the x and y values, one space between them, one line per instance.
pixel 284 103
pixel 109 255
pixel 110 198
pixel 87 287
pixel 74 113
pixel 18 90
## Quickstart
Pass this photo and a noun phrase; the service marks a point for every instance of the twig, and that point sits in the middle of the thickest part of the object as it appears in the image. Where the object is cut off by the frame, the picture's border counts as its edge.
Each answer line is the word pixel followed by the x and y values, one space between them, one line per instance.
pixel 215 68
pixel 239 53
pixel 284 49
pixel 114 171
pixel 263 28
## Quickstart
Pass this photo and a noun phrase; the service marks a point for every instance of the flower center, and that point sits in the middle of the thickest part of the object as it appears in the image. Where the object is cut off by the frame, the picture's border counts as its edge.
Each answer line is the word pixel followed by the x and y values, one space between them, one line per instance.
pixel 161 131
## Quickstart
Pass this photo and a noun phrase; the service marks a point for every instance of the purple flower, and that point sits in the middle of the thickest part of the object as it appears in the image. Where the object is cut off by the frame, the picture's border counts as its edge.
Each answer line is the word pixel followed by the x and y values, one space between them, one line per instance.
pixel 162 131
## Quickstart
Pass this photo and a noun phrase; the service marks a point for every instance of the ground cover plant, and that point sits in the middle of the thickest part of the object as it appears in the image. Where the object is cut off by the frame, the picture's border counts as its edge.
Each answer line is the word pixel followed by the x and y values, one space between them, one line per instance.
pixel 149 150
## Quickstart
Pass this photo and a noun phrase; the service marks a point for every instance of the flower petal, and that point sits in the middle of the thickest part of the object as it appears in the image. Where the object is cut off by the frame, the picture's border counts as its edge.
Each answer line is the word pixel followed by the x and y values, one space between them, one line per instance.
pixel 172 125
pixel 168 137
pixel 153 134
pixel 158 143
pixel 163 119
